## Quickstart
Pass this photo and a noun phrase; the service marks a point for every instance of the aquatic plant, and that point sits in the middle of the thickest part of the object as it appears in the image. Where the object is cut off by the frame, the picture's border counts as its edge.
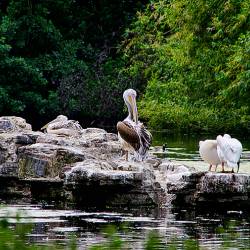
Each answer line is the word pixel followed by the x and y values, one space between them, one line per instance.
pixel 16 237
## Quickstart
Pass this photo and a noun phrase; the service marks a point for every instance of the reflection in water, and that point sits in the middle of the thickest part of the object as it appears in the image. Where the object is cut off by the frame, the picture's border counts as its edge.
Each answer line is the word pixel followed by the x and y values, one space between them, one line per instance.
pixel 212 230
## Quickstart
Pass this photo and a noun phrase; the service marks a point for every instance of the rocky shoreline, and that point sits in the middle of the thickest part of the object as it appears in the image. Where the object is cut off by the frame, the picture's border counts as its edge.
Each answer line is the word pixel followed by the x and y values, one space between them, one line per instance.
pixel 86 169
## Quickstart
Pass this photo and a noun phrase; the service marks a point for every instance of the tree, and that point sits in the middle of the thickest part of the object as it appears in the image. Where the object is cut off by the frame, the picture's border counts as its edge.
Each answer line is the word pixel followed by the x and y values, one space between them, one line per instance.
pixel 193 58
pixel 47 44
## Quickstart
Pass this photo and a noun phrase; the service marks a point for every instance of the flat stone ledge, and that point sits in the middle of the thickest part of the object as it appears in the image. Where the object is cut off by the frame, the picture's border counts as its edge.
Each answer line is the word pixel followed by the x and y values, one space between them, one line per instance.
pixel 106 177
pixel 41 180
pixel 224 183
pixel 212 189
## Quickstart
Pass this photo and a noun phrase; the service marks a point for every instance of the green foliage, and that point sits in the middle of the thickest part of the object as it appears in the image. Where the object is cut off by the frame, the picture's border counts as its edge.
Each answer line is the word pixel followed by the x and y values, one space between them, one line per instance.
pixel 15 237
pixel 113 241
pixel 153 241
pixel 193 58
pixel 189 59
pixel 44 45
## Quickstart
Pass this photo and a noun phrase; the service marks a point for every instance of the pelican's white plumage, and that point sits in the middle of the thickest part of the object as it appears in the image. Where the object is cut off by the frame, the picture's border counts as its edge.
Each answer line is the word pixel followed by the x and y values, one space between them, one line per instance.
pixel 62 126
pixel 134 137
pixel 208 152
pixel 229 150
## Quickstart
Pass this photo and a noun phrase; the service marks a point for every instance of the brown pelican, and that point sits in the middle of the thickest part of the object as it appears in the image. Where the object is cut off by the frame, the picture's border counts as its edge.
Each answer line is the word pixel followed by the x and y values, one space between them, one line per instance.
pixel 62 126
pixel 208 152
pixel 134 137
pixel 229 151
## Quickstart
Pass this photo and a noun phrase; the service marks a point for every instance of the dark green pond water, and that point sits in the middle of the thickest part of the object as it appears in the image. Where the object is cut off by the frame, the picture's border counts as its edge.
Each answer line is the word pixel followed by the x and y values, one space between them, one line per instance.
pixel 227 230
pixel 212 229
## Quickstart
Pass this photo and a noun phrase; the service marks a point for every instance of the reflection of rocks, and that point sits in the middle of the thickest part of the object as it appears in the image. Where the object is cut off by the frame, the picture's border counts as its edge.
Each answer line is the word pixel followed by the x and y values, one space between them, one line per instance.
pixel 88 169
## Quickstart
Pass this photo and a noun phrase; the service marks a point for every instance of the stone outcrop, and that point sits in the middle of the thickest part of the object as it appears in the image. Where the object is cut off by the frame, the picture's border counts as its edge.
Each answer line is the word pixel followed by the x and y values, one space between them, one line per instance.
pixel 14 133
pixel 13 124
pixel 45 160
pixel 89 164
pixel 86 168
pixel 115 182
pixel 206 189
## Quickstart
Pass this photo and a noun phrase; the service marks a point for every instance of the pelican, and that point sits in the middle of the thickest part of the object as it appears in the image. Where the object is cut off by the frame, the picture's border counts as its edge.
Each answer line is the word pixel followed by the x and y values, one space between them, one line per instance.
pixel 229 151
pixel 134 137
pixel 62 126
pixel 208 152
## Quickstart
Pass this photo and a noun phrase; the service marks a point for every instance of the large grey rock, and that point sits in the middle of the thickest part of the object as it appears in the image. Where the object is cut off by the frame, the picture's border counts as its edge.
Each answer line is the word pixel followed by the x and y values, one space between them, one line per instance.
pixel 13 123
pixel 129 182
pixel 14 132
pixel 222 183
pixel 103 172
pixel 9 144
pixel 207 189
pixel 93 159
pixel 52 139
pixel 89 174
pixel 8 148
pixel 46 160
pixel 52 152
pixel 103 145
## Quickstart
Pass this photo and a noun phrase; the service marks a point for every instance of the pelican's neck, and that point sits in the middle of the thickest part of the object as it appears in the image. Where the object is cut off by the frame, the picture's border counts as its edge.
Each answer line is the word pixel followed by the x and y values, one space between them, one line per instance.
pixel 130 112
pixel 132 108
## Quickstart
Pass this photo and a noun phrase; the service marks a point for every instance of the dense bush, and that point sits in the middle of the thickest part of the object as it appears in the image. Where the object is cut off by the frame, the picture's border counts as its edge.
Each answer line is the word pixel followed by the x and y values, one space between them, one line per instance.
pixel 193 56
pixel 60 56
pixel 189 59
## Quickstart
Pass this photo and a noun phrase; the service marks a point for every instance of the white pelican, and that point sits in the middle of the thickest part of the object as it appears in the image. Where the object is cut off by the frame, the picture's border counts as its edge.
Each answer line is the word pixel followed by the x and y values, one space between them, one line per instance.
pixel 62 126
pixel 208 152
pixel 229 151
pixel 134 137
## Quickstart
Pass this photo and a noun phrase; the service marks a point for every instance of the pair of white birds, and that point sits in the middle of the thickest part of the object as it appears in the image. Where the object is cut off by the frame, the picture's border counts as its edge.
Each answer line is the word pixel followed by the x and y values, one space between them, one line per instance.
pixel 223 150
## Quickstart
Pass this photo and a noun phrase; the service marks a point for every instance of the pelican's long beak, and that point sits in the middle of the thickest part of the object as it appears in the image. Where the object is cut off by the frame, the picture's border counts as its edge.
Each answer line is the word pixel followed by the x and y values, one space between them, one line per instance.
pixel 45 126
pixel 132 101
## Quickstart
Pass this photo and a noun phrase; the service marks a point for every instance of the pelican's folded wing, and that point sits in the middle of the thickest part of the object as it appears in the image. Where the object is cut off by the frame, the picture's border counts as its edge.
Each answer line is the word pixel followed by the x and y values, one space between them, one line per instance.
pixel 230 149
pixel 128 134
pixel 146 137
pixel 236 148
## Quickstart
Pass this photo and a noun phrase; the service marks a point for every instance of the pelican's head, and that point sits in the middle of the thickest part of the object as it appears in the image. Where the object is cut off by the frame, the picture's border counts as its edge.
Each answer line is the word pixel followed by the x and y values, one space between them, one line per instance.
pixel 227 136
pixel 129 97
pixel 219 137
pixel 59 118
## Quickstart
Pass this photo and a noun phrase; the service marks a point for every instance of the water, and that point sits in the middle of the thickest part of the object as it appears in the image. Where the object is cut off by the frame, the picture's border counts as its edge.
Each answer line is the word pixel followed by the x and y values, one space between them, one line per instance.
pixel 174 228
pixel 184 149
pixel 211 229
